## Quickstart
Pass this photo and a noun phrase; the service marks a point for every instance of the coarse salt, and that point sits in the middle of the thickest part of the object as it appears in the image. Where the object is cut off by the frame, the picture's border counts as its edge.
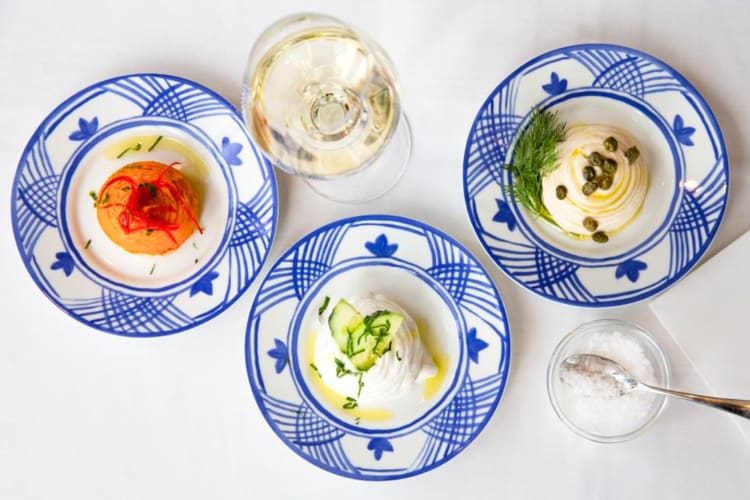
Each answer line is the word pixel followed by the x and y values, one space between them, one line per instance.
pixel 594 404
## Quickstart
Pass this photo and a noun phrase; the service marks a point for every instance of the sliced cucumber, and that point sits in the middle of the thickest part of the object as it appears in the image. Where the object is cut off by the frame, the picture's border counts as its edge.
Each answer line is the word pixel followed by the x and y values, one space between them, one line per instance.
pixel 363 339
pixel 344 319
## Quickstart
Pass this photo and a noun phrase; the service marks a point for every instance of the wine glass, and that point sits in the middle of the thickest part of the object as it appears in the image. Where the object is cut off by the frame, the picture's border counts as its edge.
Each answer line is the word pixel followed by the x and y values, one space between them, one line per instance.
pixel 321 101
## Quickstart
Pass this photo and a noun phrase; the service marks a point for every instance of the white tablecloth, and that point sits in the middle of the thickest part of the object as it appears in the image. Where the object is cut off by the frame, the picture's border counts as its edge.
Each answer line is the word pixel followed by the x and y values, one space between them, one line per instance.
pixel 86 415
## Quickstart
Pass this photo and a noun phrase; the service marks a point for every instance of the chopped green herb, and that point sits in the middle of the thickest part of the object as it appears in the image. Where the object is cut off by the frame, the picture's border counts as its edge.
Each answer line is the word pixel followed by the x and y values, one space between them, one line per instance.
pixel 350 403
pixel 92 194
pixel 533 158
pixel 126 188
pixel 356 421
pixel 196 261
pixel 158 139
pixel 360 384
pixel 152 269
pixel 104 199
pixel 88 244
pixel 398 357
pixel 195 246
pixel 149 231
pixel 137 147
pixel 315 368
pixel 150 187
pixel 341 369
pixel 324 305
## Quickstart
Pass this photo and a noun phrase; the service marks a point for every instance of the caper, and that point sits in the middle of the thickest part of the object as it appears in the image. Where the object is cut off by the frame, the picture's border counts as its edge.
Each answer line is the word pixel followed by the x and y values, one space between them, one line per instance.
pixel 589 187
pixel 610 144
pixel 632 154
pixel 590 224
pixel 561 192
pixel 600 237
pixel 609 166
pixel 596 159
pixel 589 173
pixel 604 182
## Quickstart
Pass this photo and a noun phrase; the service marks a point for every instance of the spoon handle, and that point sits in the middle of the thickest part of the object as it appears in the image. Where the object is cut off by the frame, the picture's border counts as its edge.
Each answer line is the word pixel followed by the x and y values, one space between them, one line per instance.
pixel 739 407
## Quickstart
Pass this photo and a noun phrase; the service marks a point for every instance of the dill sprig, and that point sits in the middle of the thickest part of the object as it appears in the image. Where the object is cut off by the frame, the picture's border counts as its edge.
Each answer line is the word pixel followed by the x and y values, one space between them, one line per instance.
pixel 534 157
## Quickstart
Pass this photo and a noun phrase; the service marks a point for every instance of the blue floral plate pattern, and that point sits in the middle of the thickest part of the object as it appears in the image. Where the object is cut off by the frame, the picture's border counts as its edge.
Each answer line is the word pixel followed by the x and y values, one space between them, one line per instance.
pixel 83 272
pixel 440 284
pixel 687 161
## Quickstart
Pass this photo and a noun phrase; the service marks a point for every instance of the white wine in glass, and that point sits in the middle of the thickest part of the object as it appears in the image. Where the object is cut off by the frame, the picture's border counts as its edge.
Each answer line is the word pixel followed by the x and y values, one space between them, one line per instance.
pixel 321 101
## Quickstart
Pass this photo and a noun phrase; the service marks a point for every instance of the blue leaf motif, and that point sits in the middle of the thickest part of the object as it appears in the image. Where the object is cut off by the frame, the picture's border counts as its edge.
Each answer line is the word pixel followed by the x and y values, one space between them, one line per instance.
pixel 378 446
pixel 205 284
pixel 85 129
pixel 631 269
pixel 230 151
pixel 682 132
pixel 474 344
pixel 280 354
pixel 504 215
pixel 555 85
pixel 380 247
pixel 64 261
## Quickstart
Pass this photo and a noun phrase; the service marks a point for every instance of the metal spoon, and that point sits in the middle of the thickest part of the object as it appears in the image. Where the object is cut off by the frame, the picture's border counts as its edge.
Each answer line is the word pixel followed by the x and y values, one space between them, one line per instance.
pixel 591 365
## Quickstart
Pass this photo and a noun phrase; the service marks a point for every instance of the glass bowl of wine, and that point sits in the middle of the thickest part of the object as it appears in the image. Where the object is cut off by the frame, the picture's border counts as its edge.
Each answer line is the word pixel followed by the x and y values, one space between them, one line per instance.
pixel 321 101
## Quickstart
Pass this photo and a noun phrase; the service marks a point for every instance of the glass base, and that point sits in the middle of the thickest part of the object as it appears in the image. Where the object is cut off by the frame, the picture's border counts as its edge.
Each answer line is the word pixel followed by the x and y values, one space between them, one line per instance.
pixel 374 180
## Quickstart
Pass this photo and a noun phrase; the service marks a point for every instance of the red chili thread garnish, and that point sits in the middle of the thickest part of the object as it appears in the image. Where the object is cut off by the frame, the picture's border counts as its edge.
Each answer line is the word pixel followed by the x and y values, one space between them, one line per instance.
pixel 137 215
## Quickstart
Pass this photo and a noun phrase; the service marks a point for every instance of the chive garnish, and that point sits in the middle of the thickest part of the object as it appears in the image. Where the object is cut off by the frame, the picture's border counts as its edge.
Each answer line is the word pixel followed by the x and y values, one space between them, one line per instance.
pixel 88 244
pixel 350 403
pixel 356 421
pixel 155 143
pixel 315 368
pixel 92 194
pixel 104 199
pixel 196 261
pixel 149 231
pixel 341 369
pixel 398 357
pixel 324 305
pixel 152 269
pixel 137 147
pixel 150 187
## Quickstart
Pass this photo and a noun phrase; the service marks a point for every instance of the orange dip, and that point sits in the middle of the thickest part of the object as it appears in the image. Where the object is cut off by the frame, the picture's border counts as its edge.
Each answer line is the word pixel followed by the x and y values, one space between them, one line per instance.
pixel 148 207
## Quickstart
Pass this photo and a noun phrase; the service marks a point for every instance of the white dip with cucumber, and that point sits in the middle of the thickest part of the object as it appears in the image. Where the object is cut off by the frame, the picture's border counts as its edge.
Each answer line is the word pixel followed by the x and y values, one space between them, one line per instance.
pixel 369 350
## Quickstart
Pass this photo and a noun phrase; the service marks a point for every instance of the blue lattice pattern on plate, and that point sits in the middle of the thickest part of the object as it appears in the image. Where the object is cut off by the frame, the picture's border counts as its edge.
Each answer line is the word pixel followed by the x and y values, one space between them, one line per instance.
pixel 36 190
pixel 359 454
pixel 620 70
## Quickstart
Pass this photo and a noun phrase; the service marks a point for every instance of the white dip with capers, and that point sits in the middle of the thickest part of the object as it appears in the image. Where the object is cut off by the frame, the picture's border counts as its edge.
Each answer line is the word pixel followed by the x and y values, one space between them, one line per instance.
pixel 600 183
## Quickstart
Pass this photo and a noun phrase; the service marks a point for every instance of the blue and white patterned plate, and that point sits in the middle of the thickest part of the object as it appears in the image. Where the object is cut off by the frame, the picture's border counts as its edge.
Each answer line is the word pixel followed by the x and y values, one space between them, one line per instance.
pixel 460 316
pixel 685 154
pixel 88 137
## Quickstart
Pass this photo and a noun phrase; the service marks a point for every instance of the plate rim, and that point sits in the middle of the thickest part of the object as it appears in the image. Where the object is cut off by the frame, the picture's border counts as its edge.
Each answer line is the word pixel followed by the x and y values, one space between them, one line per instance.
pixel 53 115
pixel 506 362
pixel 469 202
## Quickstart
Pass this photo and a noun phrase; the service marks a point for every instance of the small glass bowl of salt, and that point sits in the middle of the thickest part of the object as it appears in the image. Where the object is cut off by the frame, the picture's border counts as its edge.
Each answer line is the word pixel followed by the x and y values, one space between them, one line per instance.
pixel 592 406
